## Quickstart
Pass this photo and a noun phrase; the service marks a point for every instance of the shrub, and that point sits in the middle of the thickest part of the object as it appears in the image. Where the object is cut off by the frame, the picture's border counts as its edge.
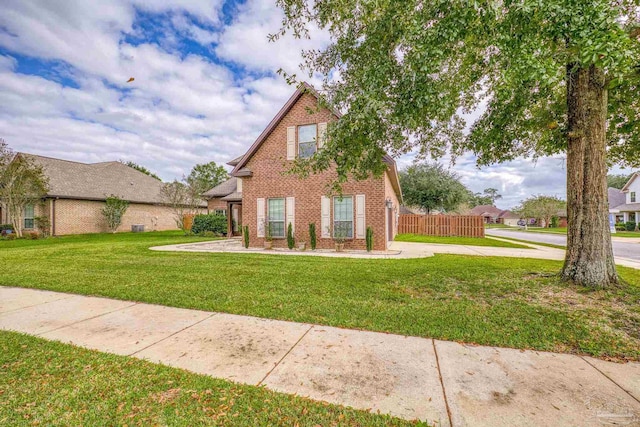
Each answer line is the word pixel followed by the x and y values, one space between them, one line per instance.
pixel 5 227
pixel 245 235
pixel 554 221
pixel 630 225
pixel 113 211
pixel 369 239
pixel 33 235
pixel 43 225
pixel 312 236
pixel 291 242
pixel 12 236
pixel 216 224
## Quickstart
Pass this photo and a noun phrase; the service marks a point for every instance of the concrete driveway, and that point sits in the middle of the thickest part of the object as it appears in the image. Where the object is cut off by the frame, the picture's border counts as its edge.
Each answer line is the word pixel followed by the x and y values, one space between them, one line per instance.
pixel 444 383
pixel 623 247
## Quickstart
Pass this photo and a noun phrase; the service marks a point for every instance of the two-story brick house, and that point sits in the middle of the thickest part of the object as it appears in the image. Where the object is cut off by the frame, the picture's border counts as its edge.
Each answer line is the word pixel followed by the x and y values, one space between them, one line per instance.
pixel 263 195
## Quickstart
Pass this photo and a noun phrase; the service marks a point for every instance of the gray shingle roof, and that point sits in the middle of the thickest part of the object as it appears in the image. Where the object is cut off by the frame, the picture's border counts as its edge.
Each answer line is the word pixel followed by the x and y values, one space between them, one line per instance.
pixel 486 210
pixel 224 189
pixel 97 181
pixel 630 207
pixel 616 197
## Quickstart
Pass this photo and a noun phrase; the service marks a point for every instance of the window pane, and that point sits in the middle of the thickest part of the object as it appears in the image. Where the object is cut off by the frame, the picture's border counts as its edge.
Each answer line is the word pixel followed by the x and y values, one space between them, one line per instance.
pixel 343 216
pixel 306 133
pixel 306 149
pixel 277 228
pixel 276 210
pixel 28 211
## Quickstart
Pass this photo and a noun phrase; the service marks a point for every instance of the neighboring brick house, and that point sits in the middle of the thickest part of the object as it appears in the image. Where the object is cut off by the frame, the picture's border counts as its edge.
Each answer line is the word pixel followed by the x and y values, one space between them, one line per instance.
pixel 77 192
pixel 268 195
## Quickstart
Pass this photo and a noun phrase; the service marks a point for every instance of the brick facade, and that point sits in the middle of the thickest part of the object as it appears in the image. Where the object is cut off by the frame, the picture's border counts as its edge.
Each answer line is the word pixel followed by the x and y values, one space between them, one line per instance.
pixel 268 165
pixel 215 203
pixel 69 216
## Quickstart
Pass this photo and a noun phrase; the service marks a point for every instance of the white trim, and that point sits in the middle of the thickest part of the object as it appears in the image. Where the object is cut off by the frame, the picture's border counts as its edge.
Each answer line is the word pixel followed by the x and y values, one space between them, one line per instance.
pixel 290 213
pixel 361 228
pixel 325 213
pixel 291 143
pixel 322 134
pixel 261 216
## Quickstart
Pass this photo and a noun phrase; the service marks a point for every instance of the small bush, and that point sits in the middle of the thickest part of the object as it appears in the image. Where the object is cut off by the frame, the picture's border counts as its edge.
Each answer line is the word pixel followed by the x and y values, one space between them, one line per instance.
pixel 245 236
pixel 43 224
pixel 12 236
pixel 33 235
pixel 369 239
pixel 630 226
pixel 554 221
pixel 313 239
pixel 291 242
pixel 216 224
pixel 5 227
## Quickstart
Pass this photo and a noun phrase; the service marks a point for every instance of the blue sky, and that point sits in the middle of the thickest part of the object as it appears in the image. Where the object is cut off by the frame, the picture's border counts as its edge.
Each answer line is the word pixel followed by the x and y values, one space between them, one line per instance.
pixel 205 86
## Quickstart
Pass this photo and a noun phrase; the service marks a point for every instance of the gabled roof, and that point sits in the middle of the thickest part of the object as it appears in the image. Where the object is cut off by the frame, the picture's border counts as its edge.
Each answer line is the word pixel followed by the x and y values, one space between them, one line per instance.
pixel 301 90
pixel 486 210
pixel 223 189
pixel 616 197
pixel 97 181
pixel 631 179
pixel 508 215
pixel 239 169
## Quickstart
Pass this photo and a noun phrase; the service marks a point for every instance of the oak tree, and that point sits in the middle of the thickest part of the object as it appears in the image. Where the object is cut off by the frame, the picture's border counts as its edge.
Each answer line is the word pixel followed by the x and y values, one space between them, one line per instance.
pixel 546 77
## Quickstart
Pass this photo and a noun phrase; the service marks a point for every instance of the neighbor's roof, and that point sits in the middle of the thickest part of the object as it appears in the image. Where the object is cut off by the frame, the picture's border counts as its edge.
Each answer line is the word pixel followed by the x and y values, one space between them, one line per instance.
pixel 616 197
pixel 631 179
pixel 486 210
pixel 627 207
pixel 223 189
pixel 97 181
pixel 239 164
pixel 508 215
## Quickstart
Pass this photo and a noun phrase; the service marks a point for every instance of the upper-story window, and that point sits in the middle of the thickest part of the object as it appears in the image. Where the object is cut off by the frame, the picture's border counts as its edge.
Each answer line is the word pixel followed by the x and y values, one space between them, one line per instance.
pixel 633 197
pixel 307 137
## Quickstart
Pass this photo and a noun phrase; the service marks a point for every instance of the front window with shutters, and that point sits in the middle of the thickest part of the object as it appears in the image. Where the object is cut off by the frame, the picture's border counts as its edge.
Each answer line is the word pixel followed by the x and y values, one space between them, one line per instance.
pixel 29 216
pixel 343 217
pixel 307 136
pixel 275 217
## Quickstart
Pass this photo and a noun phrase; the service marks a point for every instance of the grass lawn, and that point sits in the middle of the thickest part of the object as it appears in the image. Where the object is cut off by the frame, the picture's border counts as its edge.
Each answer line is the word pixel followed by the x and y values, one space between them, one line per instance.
pixel 486 300
pixel 471 241
pixel 49 383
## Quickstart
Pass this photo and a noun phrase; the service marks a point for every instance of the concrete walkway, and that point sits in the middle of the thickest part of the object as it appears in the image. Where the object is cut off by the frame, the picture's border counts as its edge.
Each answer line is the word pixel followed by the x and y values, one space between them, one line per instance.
pixel 445 383
pixel 397 250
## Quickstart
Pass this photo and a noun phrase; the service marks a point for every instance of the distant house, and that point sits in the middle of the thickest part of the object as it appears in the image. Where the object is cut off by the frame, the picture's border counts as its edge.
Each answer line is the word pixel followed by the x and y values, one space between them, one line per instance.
pixel 77 195
pixel 490 213
pixel 263 197
pixel 507 217
pixel 627 209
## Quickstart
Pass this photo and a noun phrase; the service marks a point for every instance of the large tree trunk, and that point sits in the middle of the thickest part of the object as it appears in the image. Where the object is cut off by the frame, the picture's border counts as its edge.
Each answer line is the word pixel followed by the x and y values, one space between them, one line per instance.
pixel 589 259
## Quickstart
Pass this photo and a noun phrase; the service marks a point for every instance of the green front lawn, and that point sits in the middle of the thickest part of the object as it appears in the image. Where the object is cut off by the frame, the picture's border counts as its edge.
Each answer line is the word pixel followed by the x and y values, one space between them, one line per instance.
pixel 48 383
pixel 469 241
pixel 486 300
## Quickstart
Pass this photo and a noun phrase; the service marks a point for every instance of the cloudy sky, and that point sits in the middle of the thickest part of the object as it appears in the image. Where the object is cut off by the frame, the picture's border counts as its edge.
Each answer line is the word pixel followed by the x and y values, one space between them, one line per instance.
pixel 205 86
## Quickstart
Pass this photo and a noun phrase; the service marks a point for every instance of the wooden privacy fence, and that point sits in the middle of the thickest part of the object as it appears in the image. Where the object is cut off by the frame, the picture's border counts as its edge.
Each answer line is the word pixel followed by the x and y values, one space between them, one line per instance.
pixel 442 225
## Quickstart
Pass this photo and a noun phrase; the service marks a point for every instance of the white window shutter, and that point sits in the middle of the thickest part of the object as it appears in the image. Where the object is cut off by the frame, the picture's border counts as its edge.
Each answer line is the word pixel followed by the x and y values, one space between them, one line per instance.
pixel 291 213
pixel 291 143
pixel 261 217
pixel 360 220
pixel 326 217
pixel 322 134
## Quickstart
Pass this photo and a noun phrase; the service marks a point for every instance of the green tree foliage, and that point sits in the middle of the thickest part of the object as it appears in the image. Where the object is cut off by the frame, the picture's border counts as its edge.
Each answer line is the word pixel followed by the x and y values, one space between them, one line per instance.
pixel 216 224
pixel 291 242
pixel 140 168
pixel 432 186
pixel 204 177
pixel 542 208
pixel 369 239
pixel 618 181
pixel 312 236
pixel 487 197
pixel 245 236
pixel 22 183
pixel 113 211
pixel 546 77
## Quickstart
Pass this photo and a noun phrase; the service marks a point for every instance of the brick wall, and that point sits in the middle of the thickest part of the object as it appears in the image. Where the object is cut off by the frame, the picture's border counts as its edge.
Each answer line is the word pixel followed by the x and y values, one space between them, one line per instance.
pixel 84 216
pixel 216 203
pixel 268 181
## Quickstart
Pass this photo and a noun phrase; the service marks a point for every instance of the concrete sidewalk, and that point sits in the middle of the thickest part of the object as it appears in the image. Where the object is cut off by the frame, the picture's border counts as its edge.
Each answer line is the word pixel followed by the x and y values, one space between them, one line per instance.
pixel 445 383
